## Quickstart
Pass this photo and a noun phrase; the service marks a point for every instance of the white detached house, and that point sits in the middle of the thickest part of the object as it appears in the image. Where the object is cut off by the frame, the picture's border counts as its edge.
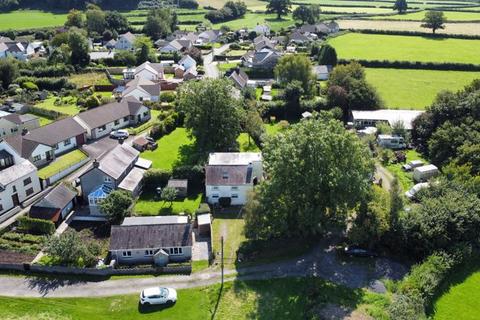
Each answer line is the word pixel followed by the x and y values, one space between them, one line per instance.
pixel 232 175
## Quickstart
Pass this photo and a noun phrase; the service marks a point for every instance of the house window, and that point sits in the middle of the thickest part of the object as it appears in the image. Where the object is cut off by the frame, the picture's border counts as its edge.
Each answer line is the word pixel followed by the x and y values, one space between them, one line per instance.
pixel 215 195
pixel 125 119
pixel 215 188
pixel 225 175
pixel 234 195
pixel 37 158
pixel 107 179
pixel 127 253
pixel 141 99
pixel 27 181
pixel 29 192
pixel 149 253
pixel 102 128
pixel 67 142
pixel 13 130
pixel 14 188
pixel 234 188
pixel 117 122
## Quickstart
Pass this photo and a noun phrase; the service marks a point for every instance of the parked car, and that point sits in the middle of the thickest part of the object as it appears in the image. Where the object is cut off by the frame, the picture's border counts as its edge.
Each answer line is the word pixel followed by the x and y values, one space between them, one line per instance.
pixel 151 142
pixel 411 194
pixel 158 295
pixel 354 251
pixel 412 165
pixel 119 134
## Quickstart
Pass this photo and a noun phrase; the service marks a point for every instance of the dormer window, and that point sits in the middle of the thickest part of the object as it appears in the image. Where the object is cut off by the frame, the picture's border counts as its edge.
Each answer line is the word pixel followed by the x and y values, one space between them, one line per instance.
pixel 6 159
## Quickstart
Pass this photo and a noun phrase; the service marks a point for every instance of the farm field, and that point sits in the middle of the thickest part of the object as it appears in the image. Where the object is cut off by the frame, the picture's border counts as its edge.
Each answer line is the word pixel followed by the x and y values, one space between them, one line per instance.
pixel 450 28
pixel 219 3
pixel 415 89
pixel 356 10
pixel 460 299
pixel 27 19
pixel 250 20
pixel 406 48
pixel 450 15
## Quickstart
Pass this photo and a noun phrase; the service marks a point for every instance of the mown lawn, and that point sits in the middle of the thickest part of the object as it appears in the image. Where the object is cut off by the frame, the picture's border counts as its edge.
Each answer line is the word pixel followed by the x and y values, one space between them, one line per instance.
pixel 230 225
pixel 450 15
pixel 284 299
pixel 149 205
pixel 415 89
pixel 224 67
pixel 461 296
pixel 245 145
pixel 406 48
pixel 405 178
pixel 61 163
pixel 169 149
pixel 27 19
pixel 68 105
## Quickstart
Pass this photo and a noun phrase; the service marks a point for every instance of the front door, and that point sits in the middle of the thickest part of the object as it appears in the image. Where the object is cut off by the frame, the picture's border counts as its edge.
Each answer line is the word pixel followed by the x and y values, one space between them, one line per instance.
pixel 139 118
pixel 80 139
pixel 48 155
pixel 15 200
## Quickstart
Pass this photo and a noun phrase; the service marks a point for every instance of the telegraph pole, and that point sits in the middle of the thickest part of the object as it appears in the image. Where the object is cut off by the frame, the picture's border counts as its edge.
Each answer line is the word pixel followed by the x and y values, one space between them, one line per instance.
pixel 221 256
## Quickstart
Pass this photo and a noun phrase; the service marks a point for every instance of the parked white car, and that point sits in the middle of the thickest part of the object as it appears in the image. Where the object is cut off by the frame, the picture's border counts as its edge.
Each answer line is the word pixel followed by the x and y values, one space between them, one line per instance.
pixel 119 134
pixel 158 295
pixel 410 194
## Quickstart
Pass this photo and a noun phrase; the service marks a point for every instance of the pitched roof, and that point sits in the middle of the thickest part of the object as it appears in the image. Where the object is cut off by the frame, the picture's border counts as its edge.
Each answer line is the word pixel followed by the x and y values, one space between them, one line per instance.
pixel 152 67
pixel 110 112
pixel 19 118
pixel 391 116
pixel 23 146
pixel 228 175
pixel 239 77
pixel 297 36
pixel 132 180
pixel 129 36
pixel 150 87
pixel 150 236
pixel 15 172
pixel 55 132
pixel 135 221
pixel 117 161
pixel 58 198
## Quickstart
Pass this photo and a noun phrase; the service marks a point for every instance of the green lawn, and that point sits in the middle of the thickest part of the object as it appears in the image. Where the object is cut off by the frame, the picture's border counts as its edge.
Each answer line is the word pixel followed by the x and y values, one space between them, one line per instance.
pixel 89 78
pixel 461 297
pixel 244 145
pixel 147 205
pixel 284 299
pixel 169 148
pixel 272 128
pixel 406 48
pixel 27 19
pixel 224 67
pixel 229 225
pixel 405 178
pixel 450 15
pixel 68 105
pixel 415 89
pixel 61 163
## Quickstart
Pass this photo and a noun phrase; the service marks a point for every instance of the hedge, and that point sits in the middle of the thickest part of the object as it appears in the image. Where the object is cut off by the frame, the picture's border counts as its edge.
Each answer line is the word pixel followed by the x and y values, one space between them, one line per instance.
pixel 155 178
pixel 56 84
pixel 36 226
pixel 194 174
pixel 47 71
pixel 447 66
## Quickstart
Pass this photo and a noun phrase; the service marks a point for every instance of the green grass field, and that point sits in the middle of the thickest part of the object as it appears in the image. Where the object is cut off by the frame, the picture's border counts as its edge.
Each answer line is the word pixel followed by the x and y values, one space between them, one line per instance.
pixel 284 299
pixel 250 20
pixel 67 106
pixel 406 48
pixel 28 19
pixel 61 163
pixel 450 15
pixel 415 89
pixel 460 296
pixel 169 147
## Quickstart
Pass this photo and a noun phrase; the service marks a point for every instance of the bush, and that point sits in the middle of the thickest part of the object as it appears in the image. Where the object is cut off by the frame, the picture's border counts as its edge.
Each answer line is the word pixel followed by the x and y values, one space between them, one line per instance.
pixel 51 84
pixel 92 102
pixel 155 178
pixel 235 46
pixel 167 96
pixel 188 4
pixel 30 86
pixel 194 174
pixel 36 226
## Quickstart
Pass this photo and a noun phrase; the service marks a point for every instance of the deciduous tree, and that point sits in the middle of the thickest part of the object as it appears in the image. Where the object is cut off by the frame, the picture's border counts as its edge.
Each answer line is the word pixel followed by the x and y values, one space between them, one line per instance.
pixel 327 55
pixel 434 20
pixel 295 67
pixel 75 18
pixel 117 205
pixel 280 7
pixel 8 71
pixel 401 6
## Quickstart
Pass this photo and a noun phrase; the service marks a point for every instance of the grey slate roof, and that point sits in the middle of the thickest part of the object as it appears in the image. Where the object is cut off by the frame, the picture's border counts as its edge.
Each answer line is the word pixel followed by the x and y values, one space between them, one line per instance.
pixel 55 132
pixel 240 78
pixel 58 198
pixel 151 87
pixel 19 118
pixel 23 146
pixel 15 172
pixel 110 112
pixel 129 36
pixel 236 175
pixel 150 236
pixel 116 162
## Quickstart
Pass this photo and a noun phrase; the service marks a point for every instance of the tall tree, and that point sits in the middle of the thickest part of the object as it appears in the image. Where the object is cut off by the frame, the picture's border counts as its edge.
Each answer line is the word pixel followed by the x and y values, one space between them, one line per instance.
pixel 144 49
pixel 75 18
pixel 280 7
pixel 160 23
pixel 117 206
pixel 317 172
pixel 327 55
pixel 95 21
pixel 292 94
pixel 79 48
pixel 253 123
pixel 8 71
pixel 434 20
pixel 212 114
pixel 307 14
pixel 401 6
pixel 295 67
pixel 115 21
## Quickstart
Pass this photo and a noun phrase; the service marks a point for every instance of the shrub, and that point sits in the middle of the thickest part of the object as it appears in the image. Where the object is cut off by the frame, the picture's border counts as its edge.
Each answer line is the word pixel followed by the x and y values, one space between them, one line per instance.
pixel 188 4
pixel 235 46
pixel 92 102
pixel 155 178
pixel 36 226
pixel 283 125
pixel 30 86
pixel 167 96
